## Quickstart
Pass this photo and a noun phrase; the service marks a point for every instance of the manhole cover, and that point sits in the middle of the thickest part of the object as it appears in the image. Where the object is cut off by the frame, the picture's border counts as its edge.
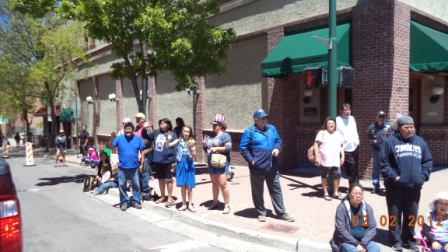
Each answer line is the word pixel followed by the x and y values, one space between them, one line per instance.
pixel 280 228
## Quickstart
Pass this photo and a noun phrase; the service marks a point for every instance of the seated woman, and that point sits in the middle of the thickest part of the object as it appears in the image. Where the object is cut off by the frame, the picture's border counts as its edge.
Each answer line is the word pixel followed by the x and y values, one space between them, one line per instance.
pixel 436 223
pixel 104 170
pixel 112 182
pixel 91 158
pixel 355 225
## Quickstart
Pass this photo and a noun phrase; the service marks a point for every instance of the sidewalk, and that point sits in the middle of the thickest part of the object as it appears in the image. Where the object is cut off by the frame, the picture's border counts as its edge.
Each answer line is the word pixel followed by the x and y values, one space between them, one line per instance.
pixel 314 224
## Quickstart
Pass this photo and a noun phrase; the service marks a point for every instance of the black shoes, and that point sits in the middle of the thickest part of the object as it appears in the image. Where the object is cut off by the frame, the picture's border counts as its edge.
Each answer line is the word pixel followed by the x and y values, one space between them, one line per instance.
pixel 397 247
pixel 375 191
pixel 411 247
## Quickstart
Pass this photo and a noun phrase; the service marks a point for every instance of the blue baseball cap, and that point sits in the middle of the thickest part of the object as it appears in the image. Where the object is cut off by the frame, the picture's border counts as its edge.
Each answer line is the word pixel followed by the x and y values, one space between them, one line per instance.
pixel 260 114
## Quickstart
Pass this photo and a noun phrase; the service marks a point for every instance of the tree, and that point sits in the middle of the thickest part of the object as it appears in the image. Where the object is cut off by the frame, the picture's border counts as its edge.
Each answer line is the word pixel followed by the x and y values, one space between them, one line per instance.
pixel 36 58
pixel 150 36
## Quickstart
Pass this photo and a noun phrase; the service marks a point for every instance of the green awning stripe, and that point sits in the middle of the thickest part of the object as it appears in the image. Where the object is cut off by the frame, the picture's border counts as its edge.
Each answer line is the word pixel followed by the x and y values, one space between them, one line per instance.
pixel 428 49
pixel 296 52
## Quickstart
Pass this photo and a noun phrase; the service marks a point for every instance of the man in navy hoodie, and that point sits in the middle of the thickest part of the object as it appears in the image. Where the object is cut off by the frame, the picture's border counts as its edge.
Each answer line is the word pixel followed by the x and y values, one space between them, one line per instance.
pixel 405 164
pixel 260 147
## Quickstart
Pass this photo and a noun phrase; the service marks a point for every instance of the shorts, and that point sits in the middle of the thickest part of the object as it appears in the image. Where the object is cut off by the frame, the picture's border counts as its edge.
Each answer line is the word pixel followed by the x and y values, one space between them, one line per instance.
pixel 163 171
pixel 61 150
pixel 326 170
pixel 218 171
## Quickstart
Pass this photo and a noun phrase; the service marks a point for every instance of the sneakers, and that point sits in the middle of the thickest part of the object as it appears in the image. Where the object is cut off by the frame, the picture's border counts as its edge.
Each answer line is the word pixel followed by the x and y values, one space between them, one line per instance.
pixel 261 218
pixel 375 191
pixel 397 247
pixel 287 218
pixel 182 208
pixel 124 207
pixel 226 210
pixel 191 208
pixel 230 175
pixel 137 206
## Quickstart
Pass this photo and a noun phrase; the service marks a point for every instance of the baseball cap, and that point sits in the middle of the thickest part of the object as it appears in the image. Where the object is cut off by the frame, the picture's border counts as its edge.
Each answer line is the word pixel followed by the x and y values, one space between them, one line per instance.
pixel 381 113
pixel 218 119
pixel 140 115
pixel 260 114
pixel 405 120
pixel 126 120
pixel 61 131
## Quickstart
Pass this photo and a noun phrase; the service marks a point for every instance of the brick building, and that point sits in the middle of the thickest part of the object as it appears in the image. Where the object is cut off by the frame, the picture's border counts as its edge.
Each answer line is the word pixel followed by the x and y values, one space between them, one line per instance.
pixel 389 44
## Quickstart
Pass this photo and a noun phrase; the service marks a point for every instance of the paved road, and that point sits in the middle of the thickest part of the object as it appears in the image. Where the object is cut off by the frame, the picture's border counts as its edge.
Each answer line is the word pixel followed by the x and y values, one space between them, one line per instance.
pixel 58 216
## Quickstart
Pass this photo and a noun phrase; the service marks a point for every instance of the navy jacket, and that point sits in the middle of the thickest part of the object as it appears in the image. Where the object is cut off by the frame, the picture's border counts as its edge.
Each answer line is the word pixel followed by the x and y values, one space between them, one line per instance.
pixel 257 146
pixel 162 154
pixel 410 159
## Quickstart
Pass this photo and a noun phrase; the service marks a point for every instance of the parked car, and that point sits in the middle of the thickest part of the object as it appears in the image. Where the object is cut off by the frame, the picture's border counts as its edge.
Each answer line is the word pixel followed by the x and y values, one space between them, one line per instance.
pixel 10 219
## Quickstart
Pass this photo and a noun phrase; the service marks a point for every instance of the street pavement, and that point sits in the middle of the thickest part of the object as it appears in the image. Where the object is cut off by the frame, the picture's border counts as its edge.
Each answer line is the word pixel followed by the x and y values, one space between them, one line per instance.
pixel 314 216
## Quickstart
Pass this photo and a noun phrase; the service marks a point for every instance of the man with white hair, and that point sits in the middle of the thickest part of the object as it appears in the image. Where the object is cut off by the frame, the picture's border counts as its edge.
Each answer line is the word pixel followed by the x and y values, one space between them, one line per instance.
pixel 126 120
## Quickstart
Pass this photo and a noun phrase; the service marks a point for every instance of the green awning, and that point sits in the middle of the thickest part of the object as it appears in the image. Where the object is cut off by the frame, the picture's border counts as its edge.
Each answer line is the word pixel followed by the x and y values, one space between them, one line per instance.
pixel 67 115
pixel 429 49
pixel 296 52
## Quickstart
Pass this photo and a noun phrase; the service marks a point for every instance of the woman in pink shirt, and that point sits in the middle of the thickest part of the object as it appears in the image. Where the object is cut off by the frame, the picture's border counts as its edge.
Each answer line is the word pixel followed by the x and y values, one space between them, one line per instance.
pixel 329 155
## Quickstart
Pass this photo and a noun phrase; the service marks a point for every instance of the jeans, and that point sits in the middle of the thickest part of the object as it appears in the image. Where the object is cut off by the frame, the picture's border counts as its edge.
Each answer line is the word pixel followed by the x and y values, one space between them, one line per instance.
pixel 376 170
pixel 89 161
pixel 351 166
pixel 123 176
pixel 144 176
pixel 272 177
pixel 402 202
pixel 83 149
pixel 102 188
pixel 443 244
pixel 371 247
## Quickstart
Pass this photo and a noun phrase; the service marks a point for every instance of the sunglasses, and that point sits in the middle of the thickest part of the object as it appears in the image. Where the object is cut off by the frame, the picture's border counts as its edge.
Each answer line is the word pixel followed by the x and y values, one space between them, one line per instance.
pixel 382 116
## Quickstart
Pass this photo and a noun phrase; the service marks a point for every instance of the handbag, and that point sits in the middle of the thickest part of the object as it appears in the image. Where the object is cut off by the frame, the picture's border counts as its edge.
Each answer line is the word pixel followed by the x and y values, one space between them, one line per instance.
pixel 310 152
pixel 218 160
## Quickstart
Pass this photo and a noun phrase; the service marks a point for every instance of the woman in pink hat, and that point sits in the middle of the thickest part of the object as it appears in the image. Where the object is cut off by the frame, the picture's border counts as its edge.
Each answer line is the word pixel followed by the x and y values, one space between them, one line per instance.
pixel 220 143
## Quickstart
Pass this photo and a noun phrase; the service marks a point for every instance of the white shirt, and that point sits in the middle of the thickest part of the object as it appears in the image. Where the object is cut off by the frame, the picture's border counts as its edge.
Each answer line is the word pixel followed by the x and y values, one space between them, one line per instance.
pixel 349 131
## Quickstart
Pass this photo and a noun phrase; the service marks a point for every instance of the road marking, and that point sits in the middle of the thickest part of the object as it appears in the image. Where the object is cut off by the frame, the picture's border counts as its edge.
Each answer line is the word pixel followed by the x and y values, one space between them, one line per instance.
pixel 181 246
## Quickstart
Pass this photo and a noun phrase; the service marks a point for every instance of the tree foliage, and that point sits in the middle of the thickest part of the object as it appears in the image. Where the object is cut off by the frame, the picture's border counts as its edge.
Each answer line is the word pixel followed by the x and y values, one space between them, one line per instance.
pixel 35 59
pixel 150 36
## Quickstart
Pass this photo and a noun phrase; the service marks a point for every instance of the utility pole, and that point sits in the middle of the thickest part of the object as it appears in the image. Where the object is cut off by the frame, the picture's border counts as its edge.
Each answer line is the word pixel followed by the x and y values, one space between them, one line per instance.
pixel 332 59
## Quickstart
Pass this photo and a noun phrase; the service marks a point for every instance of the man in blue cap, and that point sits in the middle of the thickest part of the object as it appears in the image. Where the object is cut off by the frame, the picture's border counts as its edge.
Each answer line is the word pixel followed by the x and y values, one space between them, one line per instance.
pixel 405 164
pixel 260 147
pixel 378 132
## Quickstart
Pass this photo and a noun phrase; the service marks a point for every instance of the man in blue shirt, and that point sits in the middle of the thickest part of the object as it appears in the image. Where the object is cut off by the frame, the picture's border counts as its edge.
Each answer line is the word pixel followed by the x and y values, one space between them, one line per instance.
pixel 260 147
pixel 131 160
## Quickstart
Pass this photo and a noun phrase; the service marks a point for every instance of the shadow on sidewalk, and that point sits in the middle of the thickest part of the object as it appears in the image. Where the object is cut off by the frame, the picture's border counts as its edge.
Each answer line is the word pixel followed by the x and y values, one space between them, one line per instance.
pixel 382 237
pixel 251 213
pixel 64 179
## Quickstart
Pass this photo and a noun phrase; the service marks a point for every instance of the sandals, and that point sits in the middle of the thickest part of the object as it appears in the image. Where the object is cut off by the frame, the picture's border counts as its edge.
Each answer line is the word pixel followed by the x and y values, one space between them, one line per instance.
pixel 327 197
pixel 160 200
pixel 169 202
pixel 338 196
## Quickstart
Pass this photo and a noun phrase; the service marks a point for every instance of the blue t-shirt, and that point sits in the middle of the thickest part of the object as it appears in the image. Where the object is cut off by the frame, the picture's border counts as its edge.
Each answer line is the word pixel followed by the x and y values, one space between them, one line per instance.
pixel 162 154
pixel 128 149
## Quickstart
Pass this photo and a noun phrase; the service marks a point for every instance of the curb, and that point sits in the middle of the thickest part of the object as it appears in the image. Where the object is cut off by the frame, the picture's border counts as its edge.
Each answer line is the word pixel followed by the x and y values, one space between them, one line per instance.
pixel 289 244
pixel 275 241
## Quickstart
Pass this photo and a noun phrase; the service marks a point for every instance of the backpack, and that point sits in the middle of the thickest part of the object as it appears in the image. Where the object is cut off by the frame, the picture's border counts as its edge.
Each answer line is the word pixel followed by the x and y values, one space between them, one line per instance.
pixel 88 183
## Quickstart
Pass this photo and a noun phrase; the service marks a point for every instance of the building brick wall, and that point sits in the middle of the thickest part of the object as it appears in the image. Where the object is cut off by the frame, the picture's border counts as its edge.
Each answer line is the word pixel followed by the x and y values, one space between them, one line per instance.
pixel 436 137
pixel 380 56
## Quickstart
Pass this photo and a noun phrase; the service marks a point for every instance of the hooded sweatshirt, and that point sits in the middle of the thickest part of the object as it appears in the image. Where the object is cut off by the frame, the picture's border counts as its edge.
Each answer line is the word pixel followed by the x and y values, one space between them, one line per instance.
pixel 410 159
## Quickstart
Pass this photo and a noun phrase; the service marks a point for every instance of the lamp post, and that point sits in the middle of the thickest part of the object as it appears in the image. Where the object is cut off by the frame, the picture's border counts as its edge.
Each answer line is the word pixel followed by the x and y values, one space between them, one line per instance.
pixel 332 59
